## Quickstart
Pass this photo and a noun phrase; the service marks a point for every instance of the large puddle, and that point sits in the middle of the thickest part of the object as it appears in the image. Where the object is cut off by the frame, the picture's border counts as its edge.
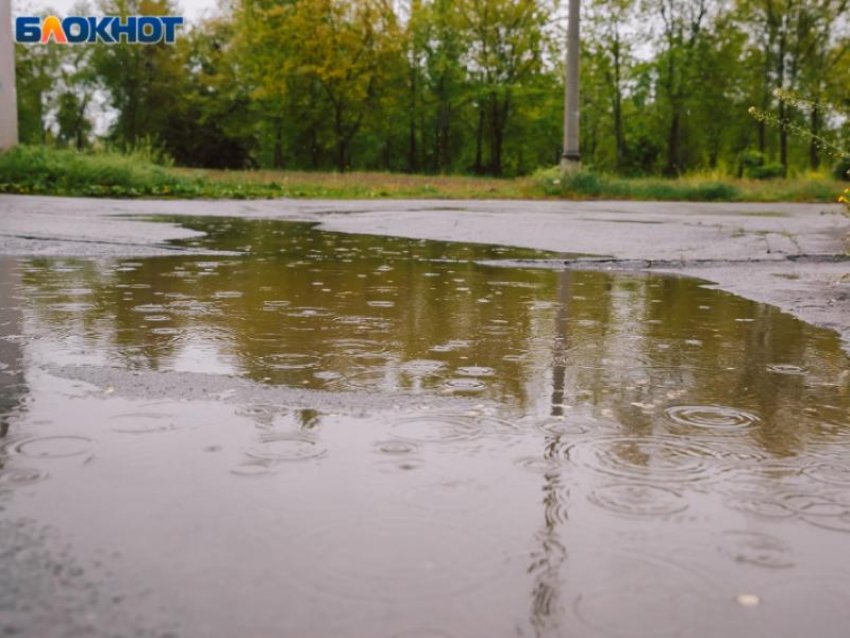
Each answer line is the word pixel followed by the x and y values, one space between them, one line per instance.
pixel 338 435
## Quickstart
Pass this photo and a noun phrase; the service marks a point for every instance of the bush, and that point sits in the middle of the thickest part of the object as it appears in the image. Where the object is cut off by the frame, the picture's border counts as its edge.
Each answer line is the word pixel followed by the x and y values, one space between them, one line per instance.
pixel 753 164
pixel 749 160
pixel 717 192
pixel 39 170
pixel 586 183
pixel 768 171
pixel 34 169
pixel 841 170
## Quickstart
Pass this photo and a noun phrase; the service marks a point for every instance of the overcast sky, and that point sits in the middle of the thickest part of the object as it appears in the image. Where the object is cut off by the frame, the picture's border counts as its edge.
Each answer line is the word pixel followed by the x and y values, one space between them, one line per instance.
pixel 190 9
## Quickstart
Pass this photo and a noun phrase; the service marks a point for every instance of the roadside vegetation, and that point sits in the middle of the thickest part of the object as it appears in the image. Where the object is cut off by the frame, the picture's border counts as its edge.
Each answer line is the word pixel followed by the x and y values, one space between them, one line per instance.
pixel 46 171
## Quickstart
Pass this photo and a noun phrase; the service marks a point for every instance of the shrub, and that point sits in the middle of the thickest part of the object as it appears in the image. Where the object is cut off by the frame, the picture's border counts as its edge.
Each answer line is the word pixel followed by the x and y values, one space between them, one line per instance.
pixel 767 171
pixel 584 182
pixel 841 170
pixel 717 192
pixel 38 169
pixel 749 160
pixel 753 164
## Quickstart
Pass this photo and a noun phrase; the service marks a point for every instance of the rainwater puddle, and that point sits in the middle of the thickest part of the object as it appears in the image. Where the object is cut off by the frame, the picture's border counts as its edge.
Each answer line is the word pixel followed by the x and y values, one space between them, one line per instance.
pixel 335 434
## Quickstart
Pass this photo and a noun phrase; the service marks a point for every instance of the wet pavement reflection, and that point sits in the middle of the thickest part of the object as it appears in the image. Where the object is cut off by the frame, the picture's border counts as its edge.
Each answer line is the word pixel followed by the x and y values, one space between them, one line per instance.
pixel 327 434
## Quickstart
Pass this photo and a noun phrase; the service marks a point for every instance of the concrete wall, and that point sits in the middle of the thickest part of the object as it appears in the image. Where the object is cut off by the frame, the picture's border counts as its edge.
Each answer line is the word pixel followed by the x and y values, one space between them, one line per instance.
pixel 8 101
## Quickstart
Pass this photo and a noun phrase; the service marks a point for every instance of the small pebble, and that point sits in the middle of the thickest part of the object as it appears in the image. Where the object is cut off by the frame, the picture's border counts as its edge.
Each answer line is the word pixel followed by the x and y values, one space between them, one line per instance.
pixel 748 600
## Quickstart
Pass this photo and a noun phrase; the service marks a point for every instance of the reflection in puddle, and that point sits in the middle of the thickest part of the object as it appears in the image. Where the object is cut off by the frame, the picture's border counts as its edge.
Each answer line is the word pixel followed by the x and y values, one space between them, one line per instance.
pixel 352 435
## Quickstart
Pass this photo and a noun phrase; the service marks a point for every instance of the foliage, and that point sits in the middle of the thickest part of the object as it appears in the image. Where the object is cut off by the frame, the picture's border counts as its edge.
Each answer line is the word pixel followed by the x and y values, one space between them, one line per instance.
pixel 40 170
pixel 773 170
pixel 753 164
pixel 456 86
pixel 44 171
pixel 841 170
pixel 587 184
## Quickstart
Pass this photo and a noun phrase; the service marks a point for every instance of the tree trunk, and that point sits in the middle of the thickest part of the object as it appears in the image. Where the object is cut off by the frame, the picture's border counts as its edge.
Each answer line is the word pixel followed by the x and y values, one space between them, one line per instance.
pixel 496 135
pixel 783 134
pixel 412 162
pixel 814 128
pixel 479 135
pixel 673 145
pixel 341 141
pixel 618 107
pixel 444 121
pixel 765 89
pixel 277 159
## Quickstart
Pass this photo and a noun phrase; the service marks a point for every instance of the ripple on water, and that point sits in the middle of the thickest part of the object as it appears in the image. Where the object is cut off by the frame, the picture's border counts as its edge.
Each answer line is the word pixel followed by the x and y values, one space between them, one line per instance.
pixel 563 426
pixel 71 307
pixel 286 447
pixel 423 367
pixel 540 464
pixel 396 447
pixel 785 368
pixel 369 379
pixel 601 363
pixel 53 446
pixel 142 423
pixel 401 463
pixel 307 313
pixel 464 384
pixel 264 413
pixel 662 459
pixel 633 595
pixel 829 473
pixel 360 347
pixel 437 428
pixel 21 476
pixel 422 633
pixel 396 559
pixel 149 308
pixel 824 597
pixel 638 499
pixel 711 417
pixel 753 498
pixel 756 548
pixel 825 510
pixel 451 346
pixel 456 497
pixel 166 331
pixel 253 468
pixel 290 361
pixel 475 371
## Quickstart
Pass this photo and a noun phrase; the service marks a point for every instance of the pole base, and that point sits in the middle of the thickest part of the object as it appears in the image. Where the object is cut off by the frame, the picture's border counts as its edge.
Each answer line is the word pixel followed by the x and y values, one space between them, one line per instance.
pixel 570 164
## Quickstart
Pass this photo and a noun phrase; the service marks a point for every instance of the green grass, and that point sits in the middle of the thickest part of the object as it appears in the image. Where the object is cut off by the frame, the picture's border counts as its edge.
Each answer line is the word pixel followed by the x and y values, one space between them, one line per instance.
pixel 695 188
pixel 44 171
pixel 47 171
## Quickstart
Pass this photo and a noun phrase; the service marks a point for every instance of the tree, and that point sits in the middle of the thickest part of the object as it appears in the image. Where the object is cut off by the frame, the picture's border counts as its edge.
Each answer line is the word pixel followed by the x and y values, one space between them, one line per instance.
pixel 506 41
pixel 143 82
pixel 36 68
pixel 682 24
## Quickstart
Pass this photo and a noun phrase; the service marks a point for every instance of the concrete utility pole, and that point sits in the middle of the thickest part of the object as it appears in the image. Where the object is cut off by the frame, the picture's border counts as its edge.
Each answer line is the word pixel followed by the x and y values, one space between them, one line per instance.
pixel 571 159
pixel 8 96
